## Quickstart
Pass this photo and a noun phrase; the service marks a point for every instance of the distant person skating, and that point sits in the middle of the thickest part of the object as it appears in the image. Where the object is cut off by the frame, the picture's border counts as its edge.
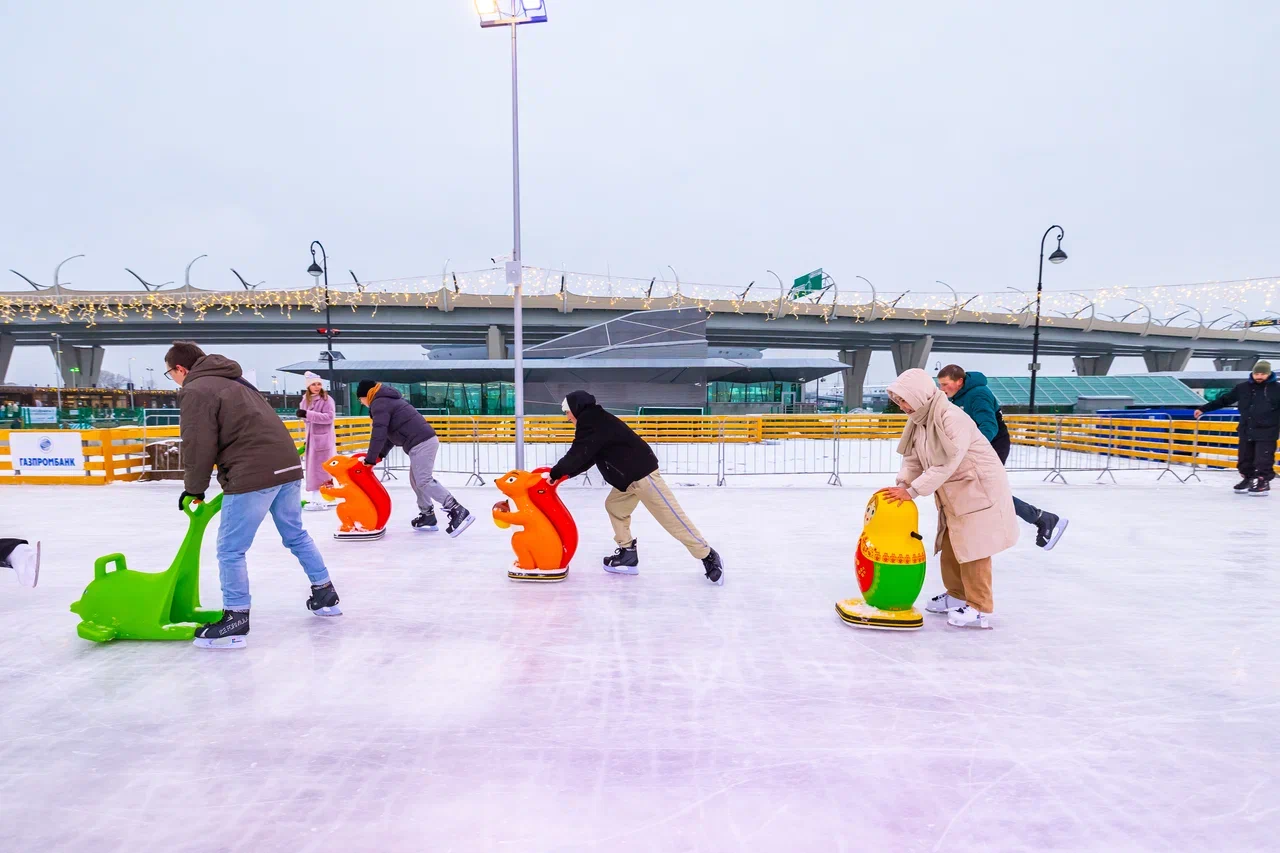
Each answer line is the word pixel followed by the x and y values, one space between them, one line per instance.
pixel 23 557
pixel 1258 399
pixel 317 410
pixel 944 455
pixel 628 465
pixel 398 424
pixel 225 421
pixel 969 391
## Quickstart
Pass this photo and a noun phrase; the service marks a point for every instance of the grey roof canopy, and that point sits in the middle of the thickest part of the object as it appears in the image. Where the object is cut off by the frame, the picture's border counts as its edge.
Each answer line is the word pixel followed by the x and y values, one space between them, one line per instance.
pixel 665 346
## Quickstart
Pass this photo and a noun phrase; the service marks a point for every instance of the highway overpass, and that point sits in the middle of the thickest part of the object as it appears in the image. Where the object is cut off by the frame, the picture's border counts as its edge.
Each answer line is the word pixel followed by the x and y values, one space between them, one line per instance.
pixel 479 311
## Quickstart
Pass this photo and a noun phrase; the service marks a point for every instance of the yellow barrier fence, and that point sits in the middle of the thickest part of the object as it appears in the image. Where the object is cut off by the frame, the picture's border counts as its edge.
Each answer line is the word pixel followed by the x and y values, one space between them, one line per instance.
pixel 130 453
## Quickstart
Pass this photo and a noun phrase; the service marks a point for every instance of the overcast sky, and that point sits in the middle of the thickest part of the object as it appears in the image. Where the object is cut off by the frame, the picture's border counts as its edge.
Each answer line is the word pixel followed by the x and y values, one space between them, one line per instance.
pixel 906 142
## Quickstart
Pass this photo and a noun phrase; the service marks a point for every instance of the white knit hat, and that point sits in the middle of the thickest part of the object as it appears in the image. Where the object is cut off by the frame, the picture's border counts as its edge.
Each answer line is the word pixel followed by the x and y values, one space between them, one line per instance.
pixel 311 377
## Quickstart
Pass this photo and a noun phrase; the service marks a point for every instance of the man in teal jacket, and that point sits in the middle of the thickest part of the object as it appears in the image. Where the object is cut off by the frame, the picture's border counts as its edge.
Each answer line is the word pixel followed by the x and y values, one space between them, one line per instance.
pixel 970 392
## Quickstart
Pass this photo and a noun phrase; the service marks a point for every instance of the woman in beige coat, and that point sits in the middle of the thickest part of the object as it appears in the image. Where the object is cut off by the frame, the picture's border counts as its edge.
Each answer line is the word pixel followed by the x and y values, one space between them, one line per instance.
pixel 945 455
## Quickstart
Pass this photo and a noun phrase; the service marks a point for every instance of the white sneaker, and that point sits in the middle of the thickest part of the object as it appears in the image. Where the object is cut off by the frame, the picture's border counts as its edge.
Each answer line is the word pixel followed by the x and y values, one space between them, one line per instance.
pixel 969 617
pixel 944 603
pixel 25 560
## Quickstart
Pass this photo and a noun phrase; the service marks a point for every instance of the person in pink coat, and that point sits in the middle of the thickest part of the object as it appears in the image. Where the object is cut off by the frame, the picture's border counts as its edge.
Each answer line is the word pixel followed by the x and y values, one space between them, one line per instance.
pixel 317 409
pixel 944 454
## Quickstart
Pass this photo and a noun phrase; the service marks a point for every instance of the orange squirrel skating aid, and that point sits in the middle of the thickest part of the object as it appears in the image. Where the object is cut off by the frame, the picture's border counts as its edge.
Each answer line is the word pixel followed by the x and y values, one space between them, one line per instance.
pixel 359 513
pixel 546 543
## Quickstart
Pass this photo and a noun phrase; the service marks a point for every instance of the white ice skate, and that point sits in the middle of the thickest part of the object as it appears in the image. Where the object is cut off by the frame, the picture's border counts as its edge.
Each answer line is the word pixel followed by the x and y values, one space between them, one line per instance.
pixel 25 560
pixel 969 617
pixel 944 603
pixel 316 502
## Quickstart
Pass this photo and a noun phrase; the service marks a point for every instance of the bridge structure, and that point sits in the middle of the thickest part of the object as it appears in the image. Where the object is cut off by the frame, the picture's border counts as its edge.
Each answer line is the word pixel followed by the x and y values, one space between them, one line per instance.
pixel 476 308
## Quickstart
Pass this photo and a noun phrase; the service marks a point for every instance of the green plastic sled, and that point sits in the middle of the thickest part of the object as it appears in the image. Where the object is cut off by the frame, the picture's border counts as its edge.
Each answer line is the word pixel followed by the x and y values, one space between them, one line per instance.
pixel 122 604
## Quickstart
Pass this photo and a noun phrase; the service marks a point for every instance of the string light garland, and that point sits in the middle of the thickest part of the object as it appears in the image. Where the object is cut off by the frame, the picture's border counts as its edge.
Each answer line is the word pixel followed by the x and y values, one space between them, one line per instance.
pixel 1223 306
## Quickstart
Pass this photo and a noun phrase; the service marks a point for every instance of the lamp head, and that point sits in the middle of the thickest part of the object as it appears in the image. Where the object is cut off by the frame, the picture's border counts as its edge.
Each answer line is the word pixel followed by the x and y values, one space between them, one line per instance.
pixel 498 13
pixel 1058 255
pixel 314 269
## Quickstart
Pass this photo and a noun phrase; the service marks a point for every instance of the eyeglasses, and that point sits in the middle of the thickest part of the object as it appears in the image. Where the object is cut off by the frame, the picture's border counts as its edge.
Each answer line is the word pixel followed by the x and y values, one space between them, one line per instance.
pixel 168 374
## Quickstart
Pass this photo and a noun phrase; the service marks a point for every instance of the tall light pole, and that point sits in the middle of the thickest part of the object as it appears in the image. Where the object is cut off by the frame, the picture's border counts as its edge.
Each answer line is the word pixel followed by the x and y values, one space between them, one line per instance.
pixel 57 351
pixel 512 13
pixel 316 271
pixel 1057 257
pixel 131 383
pixel 151 378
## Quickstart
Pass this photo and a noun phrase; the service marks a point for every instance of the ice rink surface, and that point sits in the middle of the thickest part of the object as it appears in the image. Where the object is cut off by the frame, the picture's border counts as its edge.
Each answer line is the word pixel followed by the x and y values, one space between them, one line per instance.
pixel 1127 699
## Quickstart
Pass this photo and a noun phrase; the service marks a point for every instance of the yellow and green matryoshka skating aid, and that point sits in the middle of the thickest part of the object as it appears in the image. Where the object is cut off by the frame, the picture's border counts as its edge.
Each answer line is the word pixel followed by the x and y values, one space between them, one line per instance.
pixel 890 565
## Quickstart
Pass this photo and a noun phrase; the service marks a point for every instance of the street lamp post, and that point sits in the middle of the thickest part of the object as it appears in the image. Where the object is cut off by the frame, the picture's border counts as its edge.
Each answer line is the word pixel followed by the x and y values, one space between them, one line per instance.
pixel 131 383
pixel 512 13
pixel 57 351
pixel 1057 257
pixel 318 270
pixel 151 378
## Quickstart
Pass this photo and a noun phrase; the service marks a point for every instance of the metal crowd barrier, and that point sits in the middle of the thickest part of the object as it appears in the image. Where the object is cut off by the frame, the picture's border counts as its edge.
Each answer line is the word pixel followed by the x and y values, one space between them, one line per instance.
pixel 719 447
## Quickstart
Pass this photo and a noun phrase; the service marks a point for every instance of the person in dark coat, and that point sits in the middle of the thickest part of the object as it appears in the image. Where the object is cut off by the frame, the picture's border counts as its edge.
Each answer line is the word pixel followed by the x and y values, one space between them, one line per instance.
pixel 627 463
pixel 1259 402
pixel 969 391
pixel 398 424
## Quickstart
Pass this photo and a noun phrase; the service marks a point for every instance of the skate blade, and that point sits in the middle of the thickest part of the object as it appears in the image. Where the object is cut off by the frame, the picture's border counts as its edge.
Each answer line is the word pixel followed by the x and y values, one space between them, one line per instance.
pixel 856 612
pixel 360 535
pixel 220 643
pixel 433 529
pixel 335 610
pixel 1057 534
pixel 538 575
pixel 623 570
pixel 466 522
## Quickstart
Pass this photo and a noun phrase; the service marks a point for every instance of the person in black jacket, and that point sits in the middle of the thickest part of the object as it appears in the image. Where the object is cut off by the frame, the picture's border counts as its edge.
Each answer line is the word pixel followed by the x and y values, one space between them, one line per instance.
pixel 397 424
pixel 1259 402
pixel 628 465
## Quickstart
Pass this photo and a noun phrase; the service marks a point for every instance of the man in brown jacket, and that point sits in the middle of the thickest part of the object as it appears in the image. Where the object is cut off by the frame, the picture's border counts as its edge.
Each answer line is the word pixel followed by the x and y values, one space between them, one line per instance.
pixel 226 422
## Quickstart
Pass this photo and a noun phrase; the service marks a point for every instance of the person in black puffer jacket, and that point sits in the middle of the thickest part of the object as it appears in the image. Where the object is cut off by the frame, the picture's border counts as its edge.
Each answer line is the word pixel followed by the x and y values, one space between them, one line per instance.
pixel 398 424
pixel 1259 402
pixel 628 465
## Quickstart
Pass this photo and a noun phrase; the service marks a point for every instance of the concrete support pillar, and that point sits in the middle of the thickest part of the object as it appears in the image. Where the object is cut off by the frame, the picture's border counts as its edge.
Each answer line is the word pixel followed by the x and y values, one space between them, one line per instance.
pixel 81 366
pixel 1164 362
pixel 1093 365
pixel 855 375
pixel 497 343
pixel 912 353
pixel 1235 363
pixel 6 354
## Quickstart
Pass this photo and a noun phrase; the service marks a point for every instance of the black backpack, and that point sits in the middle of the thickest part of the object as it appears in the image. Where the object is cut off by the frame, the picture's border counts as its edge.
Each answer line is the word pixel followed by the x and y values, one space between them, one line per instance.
pixel 1001 444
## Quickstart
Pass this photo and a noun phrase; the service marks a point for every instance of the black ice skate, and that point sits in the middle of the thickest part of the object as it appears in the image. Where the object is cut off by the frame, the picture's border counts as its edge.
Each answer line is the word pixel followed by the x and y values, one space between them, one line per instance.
pixel 1260 488
pixel 229 632
pixel 1242 487
pixel 1049 529
pixel 426 521
pixel 459 519
pixel 714 568
pixel 324 600
pixel 624 561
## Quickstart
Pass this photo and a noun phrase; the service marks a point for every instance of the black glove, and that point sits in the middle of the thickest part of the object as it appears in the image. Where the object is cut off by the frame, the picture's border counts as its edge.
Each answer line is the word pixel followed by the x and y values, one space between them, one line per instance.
pixel 196 497
pixel 371 462
pixel 302 414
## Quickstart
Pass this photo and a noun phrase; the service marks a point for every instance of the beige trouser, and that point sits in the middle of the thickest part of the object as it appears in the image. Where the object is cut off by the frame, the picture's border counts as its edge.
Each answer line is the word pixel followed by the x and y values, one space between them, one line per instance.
pixel 968 581
pixel 652 491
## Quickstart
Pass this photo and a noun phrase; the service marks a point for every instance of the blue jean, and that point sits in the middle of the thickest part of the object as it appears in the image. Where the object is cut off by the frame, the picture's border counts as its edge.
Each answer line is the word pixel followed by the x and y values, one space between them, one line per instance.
pixel 1025 511
pixel 242 515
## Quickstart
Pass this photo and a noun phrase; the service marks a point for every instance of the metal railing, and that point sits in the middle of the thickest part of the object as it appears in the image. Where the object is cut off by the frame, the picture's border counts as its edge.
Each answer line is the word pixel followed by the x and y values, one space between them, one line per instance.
pixel 719 447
